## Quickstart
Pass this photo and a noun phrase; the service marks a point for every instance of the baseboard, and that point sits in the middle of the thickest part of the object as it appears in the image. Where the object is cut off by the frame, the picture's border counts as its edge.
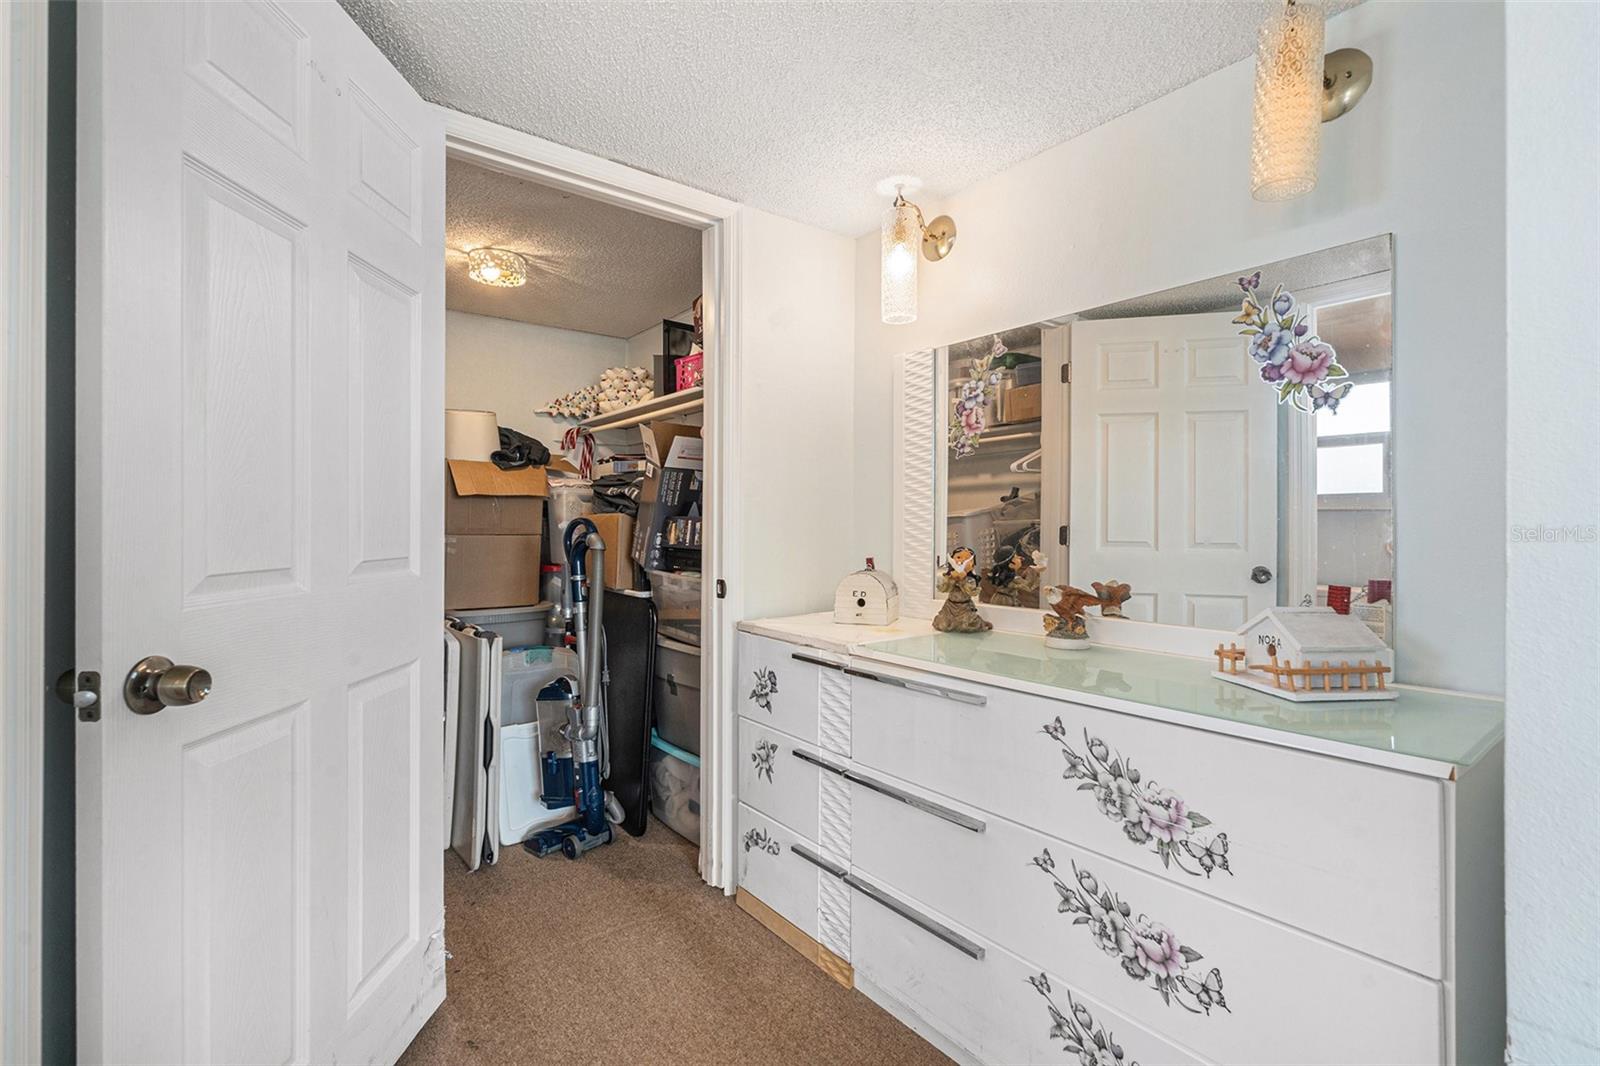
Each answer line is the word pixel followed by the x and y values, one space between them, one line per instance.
pixel 796 938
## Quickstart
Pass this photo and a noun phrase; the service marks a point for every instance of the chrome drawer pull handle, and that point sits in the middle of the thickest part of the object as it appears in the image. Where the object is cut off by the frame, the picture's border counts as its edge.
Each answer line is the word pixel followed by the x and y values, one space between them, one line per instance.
pixel 938 810
pixel 955 695
pixel 806 756
pixel 917 918
pixel 797 657
pixel 825 865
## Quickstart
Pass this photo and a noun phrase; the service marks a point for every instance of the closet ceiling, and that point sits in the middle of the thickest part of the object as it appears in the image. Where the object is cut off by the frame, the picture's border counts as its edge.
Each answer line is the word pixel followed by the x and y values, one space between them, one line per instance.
pixel 801 107
pixel 591 266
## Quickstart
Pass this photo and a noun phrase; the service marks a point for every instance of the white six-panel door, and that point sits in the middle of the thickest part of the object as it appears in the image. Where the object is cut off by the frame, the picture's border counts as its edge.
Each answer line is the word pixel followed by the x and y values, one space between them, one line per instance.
pixel 259 416
pixel 1174 468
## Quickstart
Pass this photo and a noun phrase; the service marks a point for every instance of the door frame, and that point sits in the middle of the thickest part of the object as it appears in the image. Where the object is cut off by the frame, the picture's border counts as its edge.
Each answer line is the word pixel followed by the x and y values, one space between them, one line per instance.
pixel 24 40
pixel 510 151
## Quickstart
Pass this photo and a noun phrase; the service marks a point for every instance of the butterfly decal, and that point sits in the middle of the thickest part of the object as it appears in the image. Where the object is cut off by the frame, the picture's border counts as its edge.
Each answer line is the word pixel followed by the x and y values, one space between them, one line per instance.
pixel 1322 396
pixel 1212 855
pixel 1207 992
pixel 1251 283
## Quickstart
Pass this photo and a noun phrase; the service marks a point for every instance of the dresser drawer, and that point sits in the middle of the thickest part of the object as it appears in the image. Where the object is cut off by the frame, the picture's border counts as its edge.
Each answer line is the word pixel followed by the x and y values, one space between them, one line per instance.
pixel 1350 852
pixel 778 685
pixel 792 782
pixel 792 875
pixel 1228 984
pixel 997 1007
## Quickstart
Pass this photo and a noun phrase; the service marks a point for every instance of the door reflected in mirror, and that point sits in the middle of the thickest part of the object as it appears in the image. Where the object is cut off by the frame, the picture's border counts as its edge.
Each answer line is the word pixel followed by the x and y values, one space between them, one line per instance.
pixel 1223 446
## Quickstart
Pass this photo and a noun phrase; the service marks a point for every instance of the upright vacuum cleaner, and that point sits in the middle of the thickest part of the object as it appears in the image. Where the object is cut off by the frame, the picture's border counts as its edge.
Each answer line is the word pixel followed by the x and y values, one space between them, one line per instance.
pixel 586 725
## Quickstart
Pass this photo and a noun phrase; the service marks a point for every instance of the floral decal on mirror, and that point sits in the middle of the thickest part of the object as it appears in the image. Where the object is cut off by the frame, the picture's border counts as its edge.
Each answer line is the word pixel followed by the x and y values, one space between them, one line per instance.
pixel 766 685
pixel 971 416
pixel 1148 951
pixel 758 839
pixel 763 758
pixel 1078 1032
pixel 1291 358
pixel 1150 815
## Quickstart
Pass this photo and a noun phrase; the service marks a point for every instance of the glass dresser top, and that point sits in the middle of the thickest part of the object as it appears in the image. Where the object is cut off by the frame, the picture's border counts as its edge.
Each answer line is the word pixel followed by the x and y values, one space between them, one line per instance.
pixel 1445 727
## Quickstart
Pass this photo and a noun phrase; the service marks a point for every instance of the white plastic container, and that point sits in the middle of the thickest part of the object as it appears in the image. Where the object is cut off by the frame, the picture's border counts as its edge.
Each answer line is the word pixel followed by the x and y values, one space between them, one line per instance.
pixel 675 793
pixel 569 498
pixel 519 627
pixel 524 673
pixel 521 810
pixel 677 599
pixel 677 682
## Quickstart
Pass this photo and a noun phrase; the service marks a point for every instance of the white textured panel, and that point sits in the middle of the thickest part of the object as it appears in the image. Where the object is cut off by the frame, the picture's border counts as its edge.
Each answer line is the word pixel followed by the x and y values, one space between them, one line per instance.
pixel 1129 366
pixel 1129 481
pixel 1217 493
pixel 245 899
pixel 833 816
pixel 253 55
pixel 913 562
pixel 382 767
pixel 244 376
pixel 602 77
pixel 385 165
pixel 833 914
pixel 385 367
pixel 833 712
pixel 1217 361
pixel 1215 612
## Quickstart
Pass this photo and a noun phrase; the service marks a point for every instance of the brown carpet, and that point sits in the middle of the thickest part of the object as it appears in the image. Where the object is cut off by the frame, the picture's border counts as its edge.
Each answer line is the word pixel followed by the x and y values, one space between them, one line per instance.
pixel 626 956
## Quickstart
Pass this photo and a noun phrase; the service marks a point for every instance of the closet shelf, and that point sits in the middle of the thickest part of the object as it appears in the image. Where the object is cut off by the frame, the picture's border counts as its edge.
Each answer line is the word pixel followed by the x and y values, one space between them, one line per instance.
pixel 683 402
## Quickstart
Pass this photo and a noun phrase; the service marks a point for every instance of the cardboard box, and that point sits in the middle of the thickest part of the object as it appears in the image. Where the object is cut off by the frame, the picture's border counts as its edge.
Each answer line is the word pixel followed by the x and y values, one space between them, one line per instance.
pixel 493 570
pixel 616 530
pixel 482 499
pixel 1022 403
pixel 672 491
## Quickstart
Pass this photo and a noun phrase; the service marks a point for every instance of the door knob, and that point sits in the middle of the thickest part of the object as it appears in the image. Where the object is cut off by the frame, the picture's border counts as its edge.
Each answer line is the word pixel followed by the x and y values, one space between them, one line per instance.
pixel 1261 575
pixel 156 682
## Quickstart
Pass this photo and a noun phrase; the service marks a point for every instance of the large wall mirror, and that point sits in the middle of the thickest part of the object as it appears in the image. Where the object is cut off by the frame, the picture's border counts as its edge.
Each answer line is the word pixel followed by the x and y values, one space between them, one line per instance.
pixel 1223 446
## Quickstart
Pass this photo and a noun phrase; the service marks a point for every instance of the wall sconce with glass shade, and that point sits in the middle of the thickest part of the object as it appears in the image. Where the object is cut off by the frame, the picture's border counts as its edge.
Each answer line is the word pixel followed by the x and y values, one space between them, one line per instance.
pixel 497 266
pixel 1297 90
pixel 904 231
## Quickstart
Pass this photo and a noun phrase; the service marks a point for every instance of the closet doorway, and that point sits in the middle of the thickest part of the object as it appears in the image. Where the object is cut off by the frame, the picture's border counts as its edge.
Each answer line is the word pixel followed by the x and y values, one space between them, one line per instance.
pixel 484 152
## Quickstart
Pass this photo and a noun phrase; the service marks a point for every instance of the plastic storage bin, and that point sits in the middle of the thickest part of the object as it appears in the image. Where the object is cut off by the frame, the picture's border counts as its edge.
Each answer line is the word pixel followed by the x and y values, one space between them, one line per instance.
pixel 677 685
pixel 677 599
pixel 519 627
pixel 569 498
pixel 675 788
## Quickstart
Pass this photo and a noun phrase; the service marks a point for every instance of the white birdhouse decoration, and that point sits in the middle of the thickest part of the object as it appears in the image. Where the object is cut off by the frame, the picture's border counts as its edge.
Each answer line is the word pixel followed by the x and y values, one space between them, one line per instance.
pixel 867 597
pixel 1308 654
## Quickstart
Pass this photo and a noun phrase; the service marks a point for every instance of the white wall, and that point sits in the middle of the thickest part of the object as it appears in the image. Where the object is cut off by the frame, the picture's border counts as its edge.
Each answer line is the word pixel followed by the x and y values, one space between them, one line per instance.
pixel 796 413
pixel 1552 480
pixel 513 368
pixel 1161 196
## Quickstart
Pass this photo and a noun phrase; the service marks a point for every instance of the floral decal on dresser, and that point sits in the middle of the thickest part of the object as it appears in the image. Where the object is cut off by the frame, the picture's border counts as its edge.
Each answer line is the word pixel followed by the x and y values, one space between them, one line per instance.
pixel 1148 951
pixel 1079 1034
pixel 763 757
pixel 1150 815
pixel 757 838
pixel 766 685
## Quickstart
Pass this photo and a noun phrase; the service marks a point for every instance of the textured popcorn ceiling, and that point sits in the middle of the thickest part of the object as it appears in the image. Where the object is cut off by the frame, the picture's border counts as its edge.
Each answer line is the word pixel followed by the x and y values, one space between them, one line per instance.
pixel 801 107
pixel 591 266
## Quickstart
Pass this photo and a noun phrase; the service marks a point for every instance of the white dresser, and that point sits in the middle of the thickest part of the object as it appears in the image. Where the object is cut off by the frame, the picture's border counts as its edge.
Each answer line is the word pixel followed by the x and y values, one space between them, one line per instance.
pixel 1027 854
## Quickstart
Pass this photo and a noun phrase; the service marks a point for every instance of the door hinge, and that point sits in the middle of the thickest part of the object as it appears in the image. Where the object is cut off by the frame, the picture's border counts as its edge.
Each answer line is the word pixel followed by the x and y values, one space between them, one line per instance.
pixel 1063 536
pixel 82 691
pixel 722 589
pixel 1066 373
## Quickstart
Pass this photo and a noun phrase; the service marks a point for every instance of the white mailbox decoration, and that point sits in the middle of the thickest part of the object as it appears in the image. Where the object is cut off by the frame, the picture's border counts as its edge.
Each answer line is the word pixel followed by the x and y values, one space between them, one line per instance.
pixel 1308 654
pixel 867 597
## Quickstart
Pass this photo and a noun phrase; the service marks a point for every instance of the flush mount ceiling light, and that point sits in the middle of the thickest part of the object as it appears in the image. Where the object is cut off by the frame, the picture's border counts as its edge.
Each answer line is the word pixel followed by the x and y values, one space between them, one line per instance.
pixel 497 266
pixel 903 232
pixel 1297 90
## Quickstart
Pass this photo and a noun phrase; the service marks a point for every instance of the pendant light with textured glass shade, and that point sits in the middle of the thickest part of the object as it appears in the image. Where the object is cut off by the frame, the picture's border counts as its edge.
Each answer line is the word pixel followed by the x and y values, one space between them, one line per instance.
pixel 903 232
pixel 1286 138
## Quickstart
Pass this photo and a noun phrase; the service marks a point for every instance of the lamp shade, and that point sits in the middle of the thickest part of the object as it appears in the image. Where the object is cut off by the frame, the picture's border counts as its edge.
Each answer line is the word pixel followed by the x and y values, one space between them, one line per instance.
pixel 1286 137
pixel 496 266
pixel 902 236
